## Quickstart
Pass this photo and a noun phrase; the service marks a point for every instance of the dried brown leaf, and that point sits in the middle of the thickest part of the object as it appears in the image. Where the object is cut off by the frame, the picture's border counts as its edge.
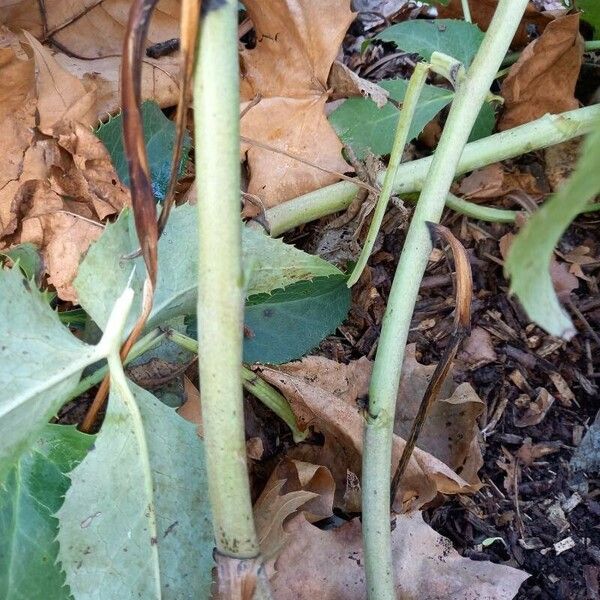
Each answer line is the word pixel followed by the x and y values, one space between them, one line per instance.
pixel 323 394
pixel 543 79
pixel 537 410
pixel 270 512
pixel 299 475
pixel 297 43
pixel 345 83
pixel 329 565
pixel 450 433
pixel 477 349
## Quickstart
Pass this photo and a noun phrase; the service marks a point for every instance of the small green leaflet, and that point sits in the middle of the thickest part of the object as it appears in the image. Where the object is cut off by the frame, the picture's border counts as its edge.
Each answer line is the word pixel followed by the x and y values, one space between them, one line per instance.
pixel 366 128
pixel 159 135
pixel 32 492
pixel 528 262
pixel 135 522
pixel 453 37
pixel 269 264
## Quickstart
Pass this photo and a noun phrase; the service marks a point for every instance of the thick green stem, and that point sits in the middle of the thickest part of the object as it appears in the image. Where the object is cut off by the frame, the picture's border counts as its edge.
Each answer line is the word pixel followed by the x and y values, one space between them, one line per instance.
pixel 478 211
pixel 258 387
pixel 385 379
pixel 409 106
pixel 220 279
pixel 543 132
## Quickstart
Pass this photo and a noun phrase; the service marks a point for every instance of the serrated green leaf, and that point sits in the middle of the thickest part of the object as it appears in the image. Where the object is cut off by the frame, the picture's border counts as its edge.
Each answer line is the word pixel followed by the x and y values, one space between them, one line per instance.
pixel 289 323
pixel 40 363
pixel 591 13
pixel 454 37
pixel 528 261
pixel 28 257
pixel 31 493
pixel 159 135
pixel 135 522
pixel 270 264
pixel 366 128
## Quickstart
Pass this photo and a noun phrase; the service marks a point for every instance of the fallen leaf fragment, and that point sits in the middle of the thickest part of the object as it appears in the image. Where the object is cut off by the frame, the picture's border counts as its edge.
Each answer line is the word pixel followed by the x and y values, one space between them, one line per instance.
pixel 543 79
pixel 537 410
pixel 329 565
pixel 297 43
pixel 91 38
pixel 271 510
pixel 299 475
pixel 495 181
pixel 477 349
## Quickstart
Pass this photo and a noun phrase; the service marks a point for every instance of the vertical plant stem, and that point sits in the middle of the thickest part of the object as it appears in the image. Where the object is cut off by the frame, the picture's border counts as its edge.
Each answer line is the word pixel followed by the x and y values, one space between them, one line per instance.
pixel 220 280
pixel 466 10
pixel 385 379
pixel 409 106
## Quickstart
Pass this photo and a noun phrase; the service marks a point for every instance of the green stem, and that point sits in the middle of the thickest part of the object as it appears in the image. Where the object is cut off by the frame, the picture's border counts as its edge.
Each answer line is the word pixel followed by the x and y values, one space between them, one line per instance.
pixel 259 388
pixel 592 46
pixel 409 106
pixel 466 11
pixel 477 211
pixel 220 280
pixel 543 132
pixel 144 344
pixel 385 379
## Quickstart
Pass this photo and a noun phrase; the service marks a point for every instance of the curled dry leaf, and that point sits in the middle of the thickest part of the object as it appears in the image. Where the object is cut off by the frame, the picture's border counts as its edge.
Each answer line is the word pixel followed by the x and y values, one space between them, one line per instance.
pixel 90 36
pixel 324 394
pixel 297 43
pixel 495 181
pixel 299 475
pixel 271 510
pixel 543 79
pixel 345 83
pixel 329 565
pixel 482 12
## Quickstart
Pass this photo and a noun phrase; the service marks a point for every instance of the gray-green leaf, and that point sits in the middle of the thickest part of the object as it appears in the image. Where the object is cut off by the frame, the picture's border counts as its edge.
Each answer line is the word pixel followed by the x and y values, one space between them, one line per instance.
pixel 32 492
pixel 289 323
pixel 135 522
pixel 528 261
pixel 159 135
pixel 454 37
pixel 269 263
pixel 40 362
